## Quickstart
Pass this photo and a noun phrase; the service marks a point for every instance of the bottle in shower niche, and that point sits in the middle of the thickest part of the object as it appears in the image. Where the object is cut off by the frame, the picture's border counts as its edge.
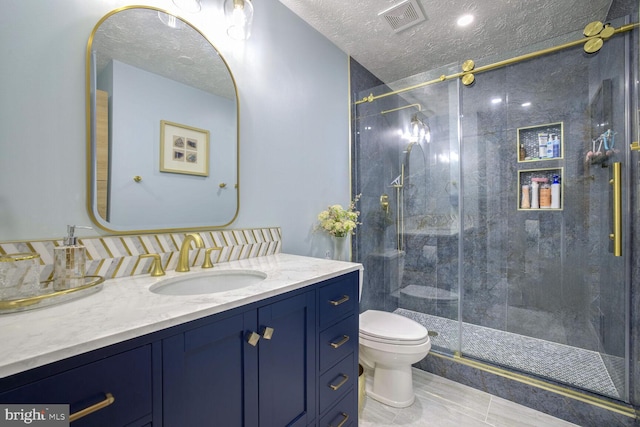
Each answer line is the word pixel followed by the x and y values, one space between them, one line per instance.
pixel 525 204
pixel 550 148
pixel 535 204
pixel 542 145
pixel 522 153
pixel 545 195
pixel 555 192
pixel 556 145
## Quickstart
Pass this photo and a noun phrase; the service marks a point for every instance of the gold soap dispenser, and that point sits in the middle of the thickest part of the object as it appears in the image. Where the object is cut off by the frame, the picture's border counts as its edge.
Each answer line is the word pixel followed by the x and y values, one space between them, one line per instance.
pixel 70 261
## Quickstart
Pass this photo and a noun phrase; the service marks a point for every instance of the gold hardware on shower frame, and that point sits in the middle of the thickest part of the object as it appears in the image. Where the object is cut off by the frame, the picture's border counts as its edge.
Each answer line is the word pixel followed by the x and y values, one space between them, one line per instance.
pixel 616 236
pixel 418 106
pixel 635 146
pixel 598 34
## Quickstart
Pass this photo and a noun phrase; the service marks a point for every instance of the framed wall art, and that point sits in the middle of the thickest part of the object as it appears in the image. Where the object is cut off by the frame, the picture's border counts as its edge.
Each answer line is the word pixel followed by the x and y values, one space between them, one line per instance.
pixel 183 149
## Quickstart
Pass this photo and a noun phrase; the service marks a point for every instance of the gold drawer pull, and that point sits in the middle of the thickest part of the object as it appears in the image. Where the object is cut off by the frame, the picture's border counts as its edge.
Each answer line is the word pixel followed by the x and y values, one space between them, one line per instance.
pixel 342 382
pixel 109 399
pixel 344 299
pixel 344 339
pixel 345 417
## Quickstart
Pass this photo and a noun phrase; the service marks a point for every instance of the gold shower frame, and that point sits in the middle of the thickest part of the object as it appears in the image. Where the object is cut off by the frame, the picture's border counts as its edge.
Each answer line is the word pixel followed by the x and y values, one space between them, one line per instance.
pixel 596 33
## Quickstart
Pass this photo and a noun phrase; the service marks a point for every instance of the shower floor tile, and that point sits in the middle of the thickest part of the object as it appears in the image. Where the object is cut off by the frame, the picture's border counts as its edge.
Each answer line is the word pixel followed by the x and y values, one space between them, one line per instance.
pixel 574 366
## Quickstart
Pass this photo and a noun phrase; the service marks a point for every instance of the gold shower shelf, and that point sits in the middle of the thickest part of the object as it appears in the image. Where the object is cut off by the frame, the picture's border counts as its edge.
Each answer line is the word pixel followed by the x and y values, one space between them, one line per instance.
pixel 92 284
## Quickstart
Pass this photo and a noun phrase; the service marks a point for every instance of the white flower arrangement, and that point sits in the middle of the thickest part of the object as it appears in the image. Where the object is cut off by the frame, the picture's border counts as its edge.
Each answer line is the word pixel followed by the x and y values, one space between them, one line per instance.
pixel 338 221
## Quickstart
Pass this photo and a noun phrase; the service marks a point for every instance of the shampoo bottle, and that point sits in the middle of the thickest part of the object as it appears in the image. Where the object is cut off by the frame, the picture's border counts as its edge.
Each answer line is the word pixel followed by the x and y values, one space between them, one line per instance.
pixel 70 261
pixel 555 193
pixel 556 146
pixel 525 204
pixel 542 145
pixel 550 148
pixel 534 194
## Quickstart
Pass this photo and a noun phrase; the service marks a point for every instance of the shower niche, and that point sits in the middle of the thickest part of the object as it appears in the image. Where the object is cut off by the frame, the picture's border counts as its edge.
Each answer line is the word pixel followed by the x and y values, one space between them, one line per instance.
pixel 532 198
pixel 540 142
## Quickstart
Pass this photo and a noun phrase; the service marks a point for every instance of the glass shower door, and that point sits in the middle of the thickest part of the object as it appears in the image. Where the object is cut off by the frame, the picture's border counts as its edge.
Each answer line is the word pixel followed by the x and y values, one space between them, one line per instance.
pixel 551 296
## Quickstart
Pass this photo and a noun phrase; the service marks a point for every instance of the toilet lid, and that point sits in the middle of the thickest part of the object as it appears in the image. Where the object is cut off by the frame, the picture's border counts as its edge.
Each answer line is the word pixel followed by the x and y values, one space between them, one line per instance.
pixel 382 325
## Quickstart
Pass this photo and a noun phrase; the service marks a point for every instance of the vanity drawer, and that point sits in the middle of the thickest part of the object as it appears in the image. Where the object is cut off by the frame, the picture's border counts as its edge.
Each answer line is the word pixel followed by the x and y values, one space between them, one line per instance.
pixel 338 299
pixel 344 412
pixel 336 382
pixel 125 376
pixel 337 341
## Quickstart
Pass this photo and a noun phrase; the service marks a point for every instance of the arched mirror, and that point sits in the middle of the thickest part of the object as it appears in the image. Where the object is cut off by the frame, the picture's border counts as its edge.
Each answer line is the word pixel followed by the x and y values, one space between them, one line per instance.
pixel 162 121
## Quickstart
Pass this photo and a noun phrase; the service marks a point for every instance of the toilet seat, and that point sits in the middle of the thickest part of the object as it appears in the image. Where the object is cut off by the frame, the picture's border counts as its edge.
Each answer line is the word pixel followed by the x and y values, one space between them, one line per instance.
pixel 391 328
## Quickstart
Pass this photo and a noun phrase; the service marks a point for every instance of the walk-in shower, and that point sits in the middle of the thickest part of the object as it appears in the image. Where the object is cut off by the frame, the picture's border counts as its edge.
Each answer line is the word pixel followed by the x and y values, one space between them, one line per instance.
pixel 446 239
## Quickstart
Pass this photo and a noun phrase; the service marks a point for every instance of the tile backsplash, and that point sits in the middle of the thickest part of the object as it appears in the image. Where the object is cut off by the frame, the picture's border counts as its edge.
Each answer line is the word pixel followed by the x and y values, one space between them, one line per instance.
pixel 119 256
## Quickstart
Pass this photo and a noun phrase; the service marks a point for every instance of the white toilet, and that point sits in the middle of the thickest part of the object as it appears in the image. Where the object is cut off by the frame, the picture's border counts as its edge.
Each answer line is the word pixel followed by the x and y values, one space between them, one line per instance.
pixel 390 344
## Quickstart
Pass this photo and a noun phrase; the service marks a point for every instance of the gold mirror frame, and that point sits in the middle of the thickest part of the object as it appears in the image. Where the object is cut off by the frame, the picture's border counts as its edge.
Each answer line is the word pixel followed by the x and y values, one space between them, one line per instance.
pixel 91 147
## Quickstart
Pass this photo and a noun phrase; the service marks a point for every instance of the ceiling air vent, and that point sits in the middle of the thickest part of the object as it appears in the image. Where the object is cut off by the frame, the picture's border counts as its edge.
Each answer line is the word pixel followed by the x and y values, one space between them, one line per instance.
pixel 403 15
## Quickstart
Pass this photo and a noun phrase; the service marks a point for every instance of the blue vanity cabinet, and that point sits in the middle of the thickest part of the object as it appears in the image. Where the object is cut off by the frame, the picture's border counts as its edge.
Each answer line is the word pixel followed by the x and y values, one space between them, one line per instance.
pixel 338 351
pixel 287 360
pixel 251 368
pixel 208 374
pixel 114 390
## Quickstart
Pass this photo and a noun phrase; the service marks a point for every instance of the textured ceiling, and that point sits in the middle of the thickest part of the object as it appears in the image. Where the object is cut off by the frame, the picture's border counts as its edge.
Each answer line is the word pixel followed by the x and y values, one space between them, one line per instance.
pixel 500 27
pixel 137 37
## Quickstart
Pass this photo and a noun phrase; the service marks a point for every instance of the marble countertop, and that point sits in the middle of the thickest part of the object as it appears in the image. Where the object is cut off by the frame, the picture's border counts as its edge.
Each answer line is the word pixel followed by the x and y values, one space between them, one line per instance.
pixel 126 309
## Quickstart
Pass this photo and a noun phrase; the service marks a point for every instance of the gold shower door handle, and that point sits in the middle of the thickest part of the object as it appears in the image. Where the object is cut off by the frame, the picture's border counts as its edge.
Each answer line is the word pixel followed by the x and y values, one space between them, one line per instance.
pixel 616 236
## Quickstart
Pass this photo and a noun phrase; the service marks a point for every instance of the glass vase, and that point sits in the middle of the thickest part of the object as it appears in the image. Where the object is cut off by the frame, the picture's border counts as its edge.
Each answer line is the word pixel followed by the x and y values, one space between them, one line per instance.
pixel 340 248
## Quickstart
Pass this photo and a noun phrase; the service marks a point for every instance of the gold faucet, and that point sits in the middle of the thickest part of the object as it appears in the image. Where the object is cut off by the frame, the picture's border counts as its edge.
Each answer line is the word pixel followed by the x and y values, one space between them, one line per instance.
pixel 183 260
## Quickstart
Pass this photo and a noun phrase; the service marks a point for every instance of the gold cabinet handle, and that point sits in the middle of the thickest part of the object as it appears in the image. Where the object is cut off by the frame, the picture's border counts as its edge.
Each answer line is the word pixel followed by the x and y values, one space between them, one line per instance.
pixel 267 332
pixel 344 339
pixel 109 399
pixel 616 236
pixel 342 300
pixel 345 417
pixel 156 264
pixel 253 338
pixel 342 382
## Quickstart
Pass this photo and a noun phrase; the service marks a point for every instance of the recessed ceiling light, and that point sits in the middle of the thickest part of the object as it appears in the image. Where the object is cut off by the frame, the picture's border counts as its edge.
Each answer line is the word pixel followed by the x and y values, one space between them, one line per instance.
pixel 526 104
pixel 465 20
pixel 496 100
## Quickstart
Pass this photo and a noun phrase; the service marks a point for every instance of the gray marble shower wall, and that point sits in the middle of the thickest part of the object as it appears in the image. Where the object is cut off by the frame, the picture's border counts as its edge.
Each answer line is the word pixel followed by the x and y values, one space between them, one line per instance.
pixel 456 243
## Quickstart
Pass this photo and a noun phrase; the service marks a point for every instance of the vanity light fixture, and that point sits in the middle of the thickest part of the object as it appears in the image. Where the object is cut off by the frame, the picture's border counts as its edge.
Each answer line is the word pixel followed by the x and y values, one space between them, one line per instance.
pixel 239 15
pixel 420 130
pixel 190 6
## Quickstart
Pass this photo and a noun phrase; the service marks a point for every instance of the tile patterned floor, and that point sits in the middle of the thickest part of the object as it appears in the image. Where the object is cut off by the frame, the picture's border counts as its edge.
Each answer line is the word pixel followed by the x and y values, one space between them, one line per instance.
pixel 442 403
pixel 567 364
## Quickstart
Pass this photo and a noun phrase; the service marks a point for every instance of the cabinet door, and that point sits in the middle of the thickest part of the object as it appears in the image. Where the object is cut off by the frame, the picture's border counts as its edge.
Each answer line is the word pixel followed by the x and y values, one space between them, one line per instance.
pixel 287 361
pixel 116 389
pixel 209 374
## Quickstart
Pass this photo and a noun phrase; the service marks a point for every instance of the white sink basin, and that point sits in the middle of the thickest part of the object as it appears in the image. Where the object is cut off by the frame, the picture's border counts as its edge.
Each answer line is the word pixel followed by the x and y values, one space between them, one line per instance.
pixel 208 282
